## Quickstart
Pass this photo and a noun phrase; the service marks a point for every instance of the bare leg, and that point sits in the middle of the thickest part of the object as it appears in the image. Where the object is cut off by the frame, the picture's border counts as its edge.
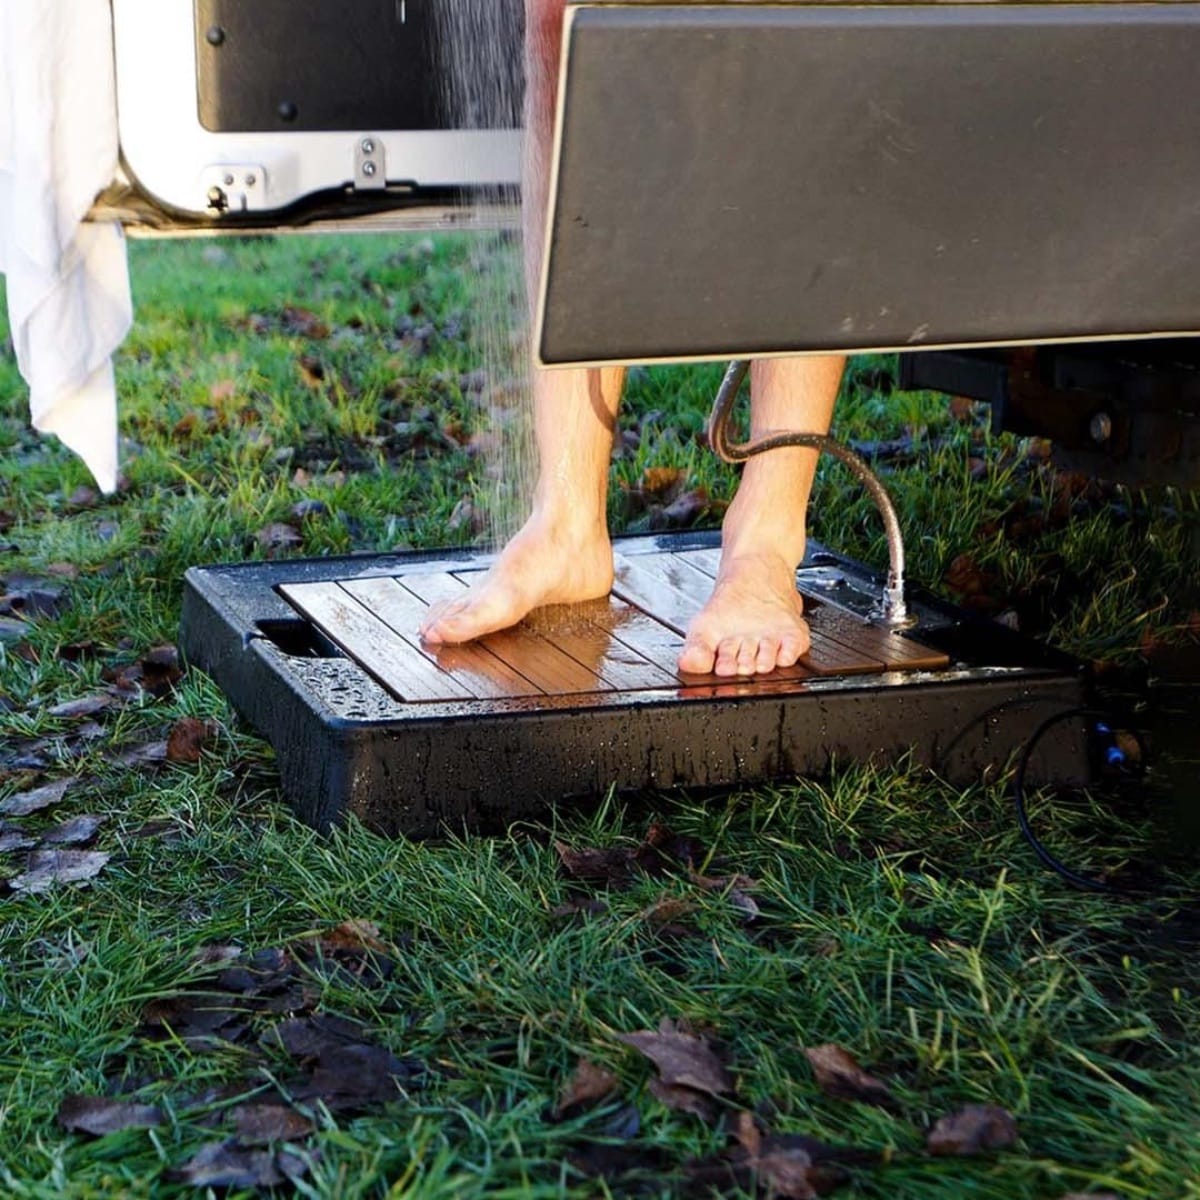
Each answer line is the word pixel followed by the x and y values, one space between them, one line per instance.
pixel 562 553
pixel 753 623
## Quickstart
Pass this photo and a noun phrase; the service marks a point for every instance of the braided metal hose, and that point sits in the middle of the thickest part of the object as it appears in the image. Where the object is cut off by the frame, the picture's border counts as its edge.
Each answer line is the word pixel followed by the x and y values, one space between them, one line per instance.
pixel 893 609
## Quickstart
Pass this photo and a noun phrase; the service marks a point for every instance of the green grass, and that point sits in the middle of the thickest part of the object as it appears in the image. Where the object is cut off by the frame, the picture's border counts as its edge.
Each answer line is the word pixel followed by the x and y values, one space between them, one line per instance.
pixel 901 917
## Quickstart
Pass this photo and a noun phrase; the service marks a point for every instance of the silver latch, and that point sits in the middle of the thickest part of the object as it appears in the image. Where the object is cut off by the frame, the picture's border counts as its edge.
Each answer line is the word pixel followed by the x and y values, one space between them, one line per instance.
pixel 234 187
pixel 370 163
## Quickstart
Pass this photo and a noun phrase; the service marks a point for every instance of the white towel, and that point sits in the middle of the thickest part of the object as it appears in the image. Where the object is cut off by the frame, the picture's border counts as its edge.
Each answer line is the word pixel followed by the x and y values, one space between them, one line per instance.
pixel 68 283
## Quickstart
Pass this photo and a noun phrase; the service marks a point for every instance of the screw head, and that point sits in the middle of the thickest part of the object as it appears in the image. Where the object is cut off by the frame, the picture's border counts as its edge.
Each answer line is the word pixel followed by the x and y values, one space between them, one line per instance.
pixel 368 169
pixel 287 111
pixel 229 179
pixel 251 179
pixel 215 36
pixel 368 145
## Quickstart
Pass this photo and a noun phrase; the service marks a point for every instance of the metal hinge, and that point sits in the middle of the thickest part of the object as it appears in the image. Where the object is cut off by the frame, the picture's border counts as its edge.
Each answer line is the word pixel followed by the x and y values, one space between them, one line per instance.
pixel 234 187
pixel 370 163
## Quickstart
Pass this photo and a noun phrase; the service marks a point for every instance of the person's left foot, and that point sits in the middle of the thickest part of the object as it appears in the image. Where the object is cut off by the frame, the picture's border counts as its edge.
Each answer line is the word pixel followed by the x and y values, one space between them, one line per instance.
pixel 752 623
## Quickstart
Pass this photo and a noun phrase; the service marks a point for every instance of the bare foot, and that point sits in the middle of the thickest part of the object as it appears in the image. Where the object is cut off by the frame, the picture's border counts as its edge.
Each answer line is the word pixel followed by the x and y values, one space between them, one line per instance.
pixel 543 564
pixel 752 623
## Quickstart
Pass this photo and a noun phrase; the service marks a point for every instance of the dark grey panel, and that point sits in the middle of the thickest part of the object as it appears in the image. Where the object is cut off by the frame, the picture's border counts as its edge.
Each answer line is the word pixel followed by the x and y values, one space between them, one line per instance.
pixel 745 179
pixel 338 65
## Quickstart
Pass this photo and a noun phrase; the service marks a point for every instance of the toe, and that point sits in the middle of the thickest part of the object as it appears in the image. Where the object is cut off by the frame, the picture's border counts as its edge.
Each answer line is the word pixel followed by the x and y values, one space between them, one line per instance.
pixel 734 657
pixel 767 658
pixel 698 656
pixel 791 647
pixel 440 625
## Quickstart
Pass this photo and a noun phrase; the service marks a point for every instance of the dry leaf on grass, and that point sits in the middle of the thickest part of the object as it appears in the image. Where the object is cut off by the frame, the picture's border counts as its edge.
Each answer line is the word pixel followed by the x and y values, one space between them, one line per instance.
pixel 143 754
pixel 228 1165
pixel 682 1059
pixel 260 1124
pixel 354 934
pixel 683 1099
pixel 15 839
pixel 83 706
pixel 840 1077
pixel 975 1129
pixel 74 832
pixel 279 536
pixel 99 1115
pixel 45 868
pixel 188 738
pixel 657 480
pixel 787 1166
pixel 350 1077
pixel 588 1085
pixel 660 852
pixel 24 803
pixel 310 1037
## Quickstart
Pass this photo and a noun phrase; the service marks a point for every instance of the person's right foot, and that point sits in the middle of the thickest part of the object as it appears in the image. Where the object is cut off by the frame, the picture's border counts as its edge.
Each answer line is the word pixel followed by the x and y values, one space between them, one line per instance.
pixel 541 565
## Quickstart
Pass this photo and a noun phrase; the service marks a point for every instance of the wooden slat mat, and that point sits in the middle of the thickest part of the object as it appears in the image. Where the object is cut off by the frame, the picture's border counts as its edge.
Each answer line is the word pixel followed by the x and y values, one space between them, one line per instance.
pixel 626 642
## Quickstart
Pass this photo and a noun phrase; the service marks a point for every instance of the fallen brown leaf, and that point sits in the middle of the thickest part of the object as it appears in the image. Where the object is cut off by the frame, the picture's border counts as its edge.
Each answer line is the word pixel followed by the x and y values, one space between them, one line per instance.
pixel 24 803
pixel 312 371
pixel 310 1037
pixel 683 1099
pixel 668 909
pixel 143 754
pixel 196 1017
pixel 974 1129
pixel 354 934
pixel 259 1124
pixel 45 868
pixel 685 510
pixel 840 1076
pixel 228 1165
pixel 83 706
pixel 74 832
pixel 657 480
pixel 99 1115
pixel 15 839
pixel 279 536
pixel 358 1074
pixel 682 1059
pixel 188 738
pixel 304 323
pixel 161 668
pixel 609 865
pixel 788 1166
pixel 83 497
pixel 588 1085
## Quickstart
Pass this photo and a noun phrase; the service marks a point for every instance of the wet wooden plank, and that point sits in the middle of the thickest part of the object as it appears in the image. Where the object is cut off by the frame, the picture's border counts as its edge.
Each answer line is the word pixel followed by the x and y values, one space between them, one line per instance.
pixel 399 666
pixel 674 587
pixel 472 665
pixel 588 632
pixel 543 663
pixel 651 639
pixel 898 653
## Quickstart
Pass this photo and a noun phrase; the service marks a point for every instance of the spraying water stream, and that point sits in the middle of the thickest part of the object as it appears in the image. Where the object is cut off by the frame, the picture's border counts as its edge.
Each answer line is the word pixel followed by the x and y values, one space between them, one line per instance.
pixel 482 68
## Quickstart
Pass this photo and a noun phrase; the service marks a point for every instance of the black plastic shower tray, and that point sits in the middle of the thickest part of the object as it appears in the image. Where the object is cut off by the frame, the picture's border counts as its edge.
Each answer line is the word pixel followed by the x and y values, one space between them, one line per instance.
pixel 321 656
